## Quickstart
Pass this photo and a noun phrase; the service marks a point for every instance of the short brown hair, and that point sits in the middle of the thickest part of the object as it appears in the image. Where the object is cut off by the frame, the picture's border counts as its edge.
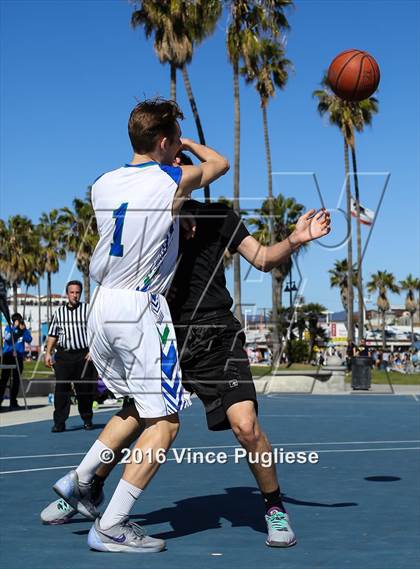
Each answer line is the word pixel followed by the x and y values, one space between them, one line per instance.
pixel 72 283
pixel 151 120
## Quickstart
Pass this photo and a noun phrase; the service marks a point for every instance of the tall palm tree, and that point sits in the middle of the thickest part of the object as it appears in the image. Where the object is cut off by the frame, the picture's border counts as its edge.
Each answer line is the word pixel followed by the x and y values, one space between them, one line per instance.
pixel 249 21
pixel 339 278
pixel 382 282
pixel 349 117
pixel 162 19
pixel 269 69
pixel 277 216
pixel 178 26
pixel 51 232
pixel 80 235
pixel 17 251
pixel 200 24
pixel 410 284
pixel 363 112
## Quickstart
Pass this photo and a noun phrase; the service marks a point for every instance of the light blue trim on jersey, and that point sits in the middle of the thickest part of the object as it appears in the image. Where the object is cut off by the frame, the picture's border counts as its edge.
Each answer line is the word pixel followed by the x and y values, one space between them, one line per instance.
pixel 175 172
pixel 140 165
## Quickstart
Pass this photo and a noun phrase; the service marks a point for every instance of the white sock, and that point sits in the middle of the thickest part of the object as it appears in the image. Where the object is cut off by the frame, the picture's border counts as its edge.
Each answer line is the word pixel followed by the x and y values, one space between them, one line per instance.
pixel 119 507
pixel 88 466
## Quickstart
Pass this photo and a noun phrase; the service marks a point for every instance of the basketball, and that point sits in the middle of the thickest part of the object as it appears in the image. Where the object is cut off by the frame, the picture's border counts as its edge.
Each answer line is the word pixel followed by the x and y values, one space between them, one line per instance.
pixel 353 75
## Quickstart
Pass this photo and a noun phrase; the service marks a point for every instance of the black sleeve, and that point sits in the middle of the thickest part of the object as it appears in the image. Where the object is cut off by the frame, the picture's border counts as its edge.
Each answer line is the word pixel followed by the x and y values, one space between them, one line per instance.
pixel 233 230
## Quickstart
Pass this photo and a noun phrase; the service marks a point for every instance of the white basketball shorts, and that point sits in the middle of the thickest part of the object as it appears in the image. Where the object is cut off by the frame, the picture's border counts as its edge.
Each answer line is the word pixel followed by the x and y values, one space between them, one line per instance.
pixel 133 346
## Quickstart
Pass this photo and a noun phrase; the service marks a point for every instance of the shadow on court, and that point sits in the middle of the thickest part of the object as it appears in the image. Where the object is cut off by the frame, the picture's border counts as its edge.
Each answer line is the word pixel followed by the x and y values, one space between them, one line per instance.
pixel 242 507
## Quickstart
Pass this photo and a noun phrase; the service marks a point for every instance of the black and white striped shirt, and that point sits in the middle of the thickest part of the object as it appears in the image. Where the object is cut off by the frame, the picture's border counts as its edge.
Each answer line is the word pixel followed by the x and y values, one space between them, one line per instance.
pixel 69 326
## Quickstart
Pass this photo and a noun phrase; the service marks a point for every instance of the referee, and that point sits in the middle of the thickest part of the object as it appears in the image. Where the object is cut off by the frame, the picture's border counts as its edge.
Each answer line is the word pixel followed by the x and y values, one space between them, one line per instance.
pixel 71 364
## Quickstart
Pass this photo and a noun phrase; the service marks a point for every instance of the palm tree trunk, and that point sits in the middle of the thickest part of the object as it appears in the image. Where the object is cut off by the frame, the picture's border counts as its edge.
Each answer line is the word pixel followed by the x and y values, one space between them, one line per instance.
pixel 360 301
pixel 49 307
pixel 196 116
pixel 24 301
pixel 173 82
pixel 344 296
pixel 277 299
pixel 86 286
pixel 383 331
pixel 236 207
pixel 15 300
pixel 412 326
pixel 274 292
pixel 39 317
pixel 350 292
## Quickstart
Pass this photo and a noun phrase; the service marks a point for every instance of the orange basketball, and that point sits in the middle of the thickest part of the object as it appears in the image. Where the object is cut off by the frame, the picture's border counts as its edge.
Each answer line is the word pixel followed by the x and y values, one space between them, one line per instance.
pixel 354 75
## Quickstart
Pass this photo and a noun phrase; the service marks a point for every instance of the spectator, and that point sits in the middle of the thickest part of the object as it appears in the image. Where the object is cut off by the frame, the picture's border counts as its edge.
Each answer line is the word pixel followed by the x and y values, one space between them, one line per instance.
pixel 363 350
pixel 15 338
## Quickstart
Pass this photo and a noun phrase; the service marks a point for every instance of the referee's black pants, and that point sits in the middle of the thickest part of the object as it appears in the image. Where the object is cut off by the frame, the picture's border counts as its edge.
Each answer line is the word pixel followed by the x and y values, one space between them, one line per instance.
pixel 9 359
pixel 72 367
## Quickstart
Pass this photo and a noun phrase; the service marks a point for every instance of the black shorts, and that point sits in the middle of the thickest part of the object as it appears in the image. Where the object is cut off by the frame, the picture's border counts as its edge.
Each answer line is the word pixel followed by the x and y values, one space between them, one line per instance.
pixel 215 365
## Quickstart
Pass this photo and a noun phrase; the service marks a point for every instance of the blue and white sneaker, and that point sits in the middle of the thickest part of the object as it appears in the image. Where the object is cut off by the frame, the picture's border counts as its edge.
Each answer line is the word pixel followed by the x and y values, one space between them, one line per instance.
pixel 280 532
pixel 79 497
pixel 60 512
pixel 125 536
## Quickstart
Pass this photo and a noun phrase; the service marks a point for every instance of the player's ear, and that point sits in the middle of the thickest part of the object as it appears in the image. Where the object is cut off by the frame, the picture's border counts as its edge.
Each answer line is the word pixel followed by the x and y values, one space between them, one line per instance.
pixel 164 143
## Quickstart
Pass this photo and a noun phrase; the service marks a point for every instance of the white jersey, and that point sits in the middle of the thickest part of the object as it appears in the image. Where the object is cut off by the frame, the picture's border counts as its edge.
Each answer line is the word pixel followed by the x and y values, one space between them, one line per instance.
pixel 138 244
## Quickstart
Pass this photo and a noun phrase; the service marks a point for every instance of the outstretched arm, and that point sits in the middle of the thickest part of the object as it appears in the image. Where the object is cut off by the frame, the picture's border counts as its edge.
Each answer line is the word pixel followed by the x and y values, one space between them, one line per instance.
pixel 308 228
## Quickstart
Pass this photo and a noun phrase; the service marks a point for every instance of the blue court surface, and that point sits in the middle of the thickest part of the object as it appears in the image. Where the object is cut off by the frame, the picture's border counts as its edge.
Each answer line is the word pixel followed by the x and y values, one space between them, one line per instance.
pixel 357 508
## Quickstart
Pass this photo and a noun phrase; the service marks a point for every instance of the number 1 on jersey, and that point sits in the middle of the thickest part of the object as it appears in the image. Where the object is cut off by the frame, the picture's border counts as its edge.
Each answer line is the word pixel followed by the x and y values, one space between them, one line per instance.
pixel 117 249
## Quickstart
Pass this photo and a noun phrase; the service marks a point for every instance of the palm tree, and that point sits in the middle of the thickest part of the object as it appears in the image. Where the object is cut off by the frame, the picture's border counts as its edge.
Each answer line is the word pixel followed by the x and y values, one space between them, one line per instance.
pixel 410 284
pixel 276 217
pixel 178 26
pixel 349 117
pixel 30 279
pixel 17 251
pixel 418 297
pixel 51 231
pixel 382 281
pixel 269 69
pixel 162 19
pixel 313 311
pixel 200 24
pixel 249 20
pixel 80 235
pixel 339 278
pixel 362 115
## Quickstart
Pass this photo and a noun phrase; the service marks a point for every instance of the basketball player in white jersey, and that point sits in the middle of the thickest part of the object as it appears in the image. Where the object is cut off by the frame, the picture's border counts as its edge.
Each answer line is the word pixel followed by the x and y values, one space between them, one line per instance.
pixel 131 337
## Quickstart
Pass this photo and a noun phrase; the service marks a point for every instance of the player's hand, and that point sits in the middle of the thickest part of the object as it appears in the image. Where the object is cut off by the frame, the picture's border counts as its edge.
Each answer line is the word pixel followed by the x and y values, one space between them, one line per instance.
pixel 188 225
pixel 48 360
pixel 310 226
pixel 186 144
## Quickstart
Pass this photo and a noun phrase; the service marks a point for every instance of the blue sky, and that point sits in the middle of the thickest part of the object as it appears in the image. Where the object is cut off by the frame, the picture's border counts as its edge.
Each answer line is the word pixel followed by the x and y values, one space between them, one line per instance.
pixel 72 71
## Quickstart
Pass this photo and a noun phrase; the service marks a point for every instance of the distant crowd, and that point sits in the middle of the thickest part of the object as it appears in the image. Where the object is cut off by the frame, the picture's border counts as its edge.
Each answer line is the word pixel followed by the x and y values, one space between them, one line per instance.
pixel 401 360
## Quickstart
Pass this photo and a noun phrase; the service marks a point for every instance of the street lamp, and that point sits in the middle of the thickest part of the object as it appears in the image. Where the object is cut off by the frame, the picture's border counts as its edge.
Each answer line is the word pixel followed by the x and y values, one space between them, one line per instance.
pixel 291 288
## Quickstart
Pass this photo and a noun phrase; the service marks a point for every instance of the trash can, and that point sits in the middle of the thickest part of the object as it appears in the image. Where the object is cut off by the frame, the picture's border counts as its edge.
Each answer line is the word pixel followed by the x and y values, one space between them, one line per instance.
pixel 361 374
